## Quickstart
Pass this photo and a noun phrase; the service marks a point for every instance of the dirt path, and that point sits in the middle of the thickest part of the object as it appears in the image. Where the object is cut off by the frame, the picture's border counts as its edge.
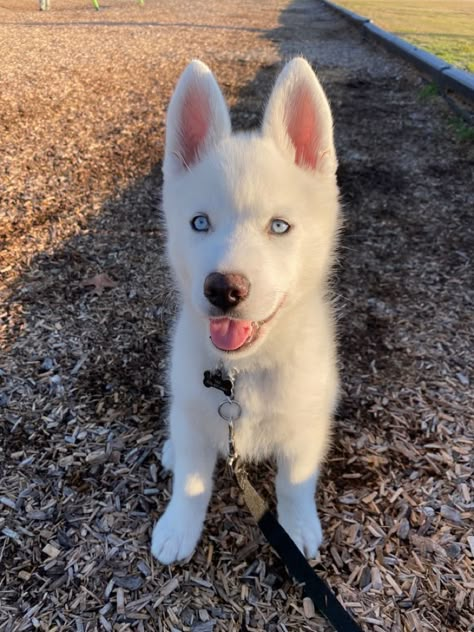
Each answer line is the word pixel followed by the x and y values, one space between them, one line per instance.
pixel 82 386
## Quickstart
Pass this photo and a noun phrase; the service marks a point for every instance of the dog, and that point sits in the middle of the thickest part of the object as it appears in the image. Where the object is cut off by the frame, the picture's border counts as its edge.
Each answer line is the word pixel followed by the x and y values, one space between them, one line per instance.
pixel 252 222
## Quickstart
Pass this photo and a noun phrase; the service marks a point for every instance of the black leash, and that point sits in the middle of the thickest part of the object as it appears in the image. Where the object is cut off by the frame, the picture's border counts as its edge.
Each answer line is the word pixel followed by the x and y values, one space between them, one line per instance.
pixel 314 586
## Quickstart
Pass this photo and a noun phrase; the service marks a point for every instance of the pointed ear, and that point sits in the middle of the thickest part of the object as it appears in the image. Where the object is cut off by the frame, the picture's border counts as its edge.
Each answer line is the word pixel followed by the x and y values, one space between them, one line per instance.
pixel 299 119
pixel 197 119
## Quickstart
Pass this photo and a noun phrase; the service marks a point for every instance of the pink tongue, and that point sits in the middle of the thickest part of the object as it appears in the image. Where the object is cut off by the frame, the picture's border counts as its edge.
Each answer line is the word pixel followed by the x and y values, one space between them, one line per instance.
pixel 228 335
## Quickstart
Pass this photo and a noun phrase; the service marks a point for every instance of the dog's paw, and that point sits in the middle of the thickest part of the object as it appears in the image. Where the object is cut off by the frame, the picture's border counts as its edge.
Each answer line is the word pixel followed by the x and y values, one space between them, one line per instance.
pixel 304 528
pixel 175 536
pixel 167 455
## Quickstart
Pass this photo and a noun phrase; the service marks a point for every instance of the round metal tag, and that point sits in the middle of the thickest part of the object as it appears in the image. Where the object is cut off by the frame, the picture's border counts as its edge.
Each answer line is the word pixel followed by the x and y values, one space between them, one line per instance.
pixel 229 410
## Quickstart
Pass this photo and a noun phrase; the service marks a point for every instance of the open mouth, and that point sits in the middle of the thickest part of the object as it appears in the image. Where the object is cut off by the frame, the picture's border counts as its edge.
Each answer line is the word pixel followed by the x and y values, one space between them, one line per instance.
pixel 230 334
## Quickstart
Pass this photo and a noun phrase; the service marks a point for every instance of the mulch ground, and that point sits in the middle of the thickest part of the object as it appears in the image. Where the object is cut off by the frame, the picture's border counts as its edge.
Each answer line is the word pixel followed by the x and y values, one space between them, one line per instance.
pixel 86 307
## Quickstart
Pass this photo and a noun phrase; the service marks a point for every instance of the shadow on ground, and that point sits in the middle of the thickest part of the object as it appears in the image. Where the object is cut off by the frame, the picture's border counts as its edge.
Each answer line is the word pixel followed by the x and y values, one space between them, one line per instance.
pixel 97 364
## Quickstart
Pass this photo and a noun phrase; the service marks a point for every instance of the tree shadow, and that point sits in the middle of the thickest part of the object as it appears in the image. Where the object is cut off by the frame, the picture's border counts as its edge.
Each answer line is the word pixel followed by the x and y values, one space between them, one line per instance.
pixel 93 367
pixel 83 389
pixel 110 350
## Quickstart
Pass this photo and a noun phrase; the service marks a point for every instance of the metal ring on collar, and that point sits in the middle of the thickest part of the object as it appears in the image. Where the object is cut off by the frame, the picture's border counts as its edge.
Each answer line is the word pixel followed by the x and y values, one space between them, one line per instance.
pixel 229 410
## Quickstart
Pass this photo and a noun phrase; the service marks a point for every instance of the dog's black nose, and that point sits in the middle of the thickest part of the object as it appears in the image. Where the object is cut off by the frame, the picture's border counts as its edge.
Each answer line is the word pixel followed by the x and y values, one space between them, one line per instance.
pixel 226 290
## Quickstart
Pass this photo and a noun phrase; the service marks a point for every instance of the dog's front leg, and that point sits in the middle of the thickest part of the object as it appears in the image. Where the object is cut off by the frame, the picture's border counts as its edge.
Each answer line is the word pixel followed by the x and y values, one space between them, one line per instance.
pixel 297 512
pixel 178 530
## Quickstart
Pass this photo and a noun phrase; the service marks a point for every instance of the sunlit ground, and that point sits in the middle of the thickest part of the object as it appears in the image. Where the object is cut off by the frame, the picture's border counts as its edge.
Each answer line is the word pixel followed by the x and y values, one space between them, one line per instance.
pixel 443 27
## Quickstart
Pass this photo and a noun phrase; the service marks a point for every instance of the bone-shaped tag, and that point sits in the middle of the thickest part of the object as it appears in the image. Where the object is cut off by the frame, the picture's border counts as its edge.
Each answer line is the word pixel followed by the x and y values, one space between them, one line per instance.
pixel 215 379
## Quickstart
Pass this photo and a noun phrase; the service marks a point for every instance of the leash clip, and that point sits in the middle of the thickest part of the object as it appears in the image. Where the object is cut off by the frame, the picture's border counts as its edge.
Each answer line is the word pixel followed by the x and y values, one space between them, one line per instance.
pixel 232 455
pixel 229 410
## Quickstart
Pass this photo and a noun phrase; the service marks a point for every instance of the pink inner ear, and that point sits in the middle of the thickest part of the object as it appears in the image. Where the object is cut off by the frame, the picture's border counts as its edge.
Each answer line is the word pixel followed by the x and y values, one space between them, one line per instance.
pixel 302 127
pixel 195 122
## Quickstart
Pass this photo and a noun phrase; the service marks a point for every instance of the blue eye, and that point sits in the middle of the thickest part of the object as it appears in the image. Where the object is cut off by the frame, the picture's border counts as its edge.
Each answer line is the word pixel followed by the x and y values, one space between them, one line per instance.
pixel 200 223
pixel 279 227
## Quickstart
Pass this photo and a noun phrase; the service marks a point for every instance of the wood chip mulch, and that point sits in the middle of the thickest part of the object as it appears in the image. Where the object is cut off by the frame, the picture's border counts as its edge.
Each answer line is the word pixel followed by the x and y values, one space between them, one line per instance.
pixel 86 306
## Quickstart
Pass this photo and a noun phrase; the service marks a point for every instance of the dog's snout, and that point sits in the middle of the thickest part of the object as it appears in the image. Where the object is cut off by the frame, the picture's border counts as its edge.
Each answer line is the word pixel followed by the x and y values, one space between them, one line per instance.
pixel 226 290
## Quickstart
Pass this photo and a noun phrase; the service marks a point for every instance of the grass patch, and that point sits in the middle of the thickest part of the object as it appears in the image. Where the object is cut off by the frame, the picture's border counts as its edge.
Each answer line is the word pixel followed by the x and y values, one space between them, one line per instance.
pixel 442 27
pixel 428 91
pixel 462 130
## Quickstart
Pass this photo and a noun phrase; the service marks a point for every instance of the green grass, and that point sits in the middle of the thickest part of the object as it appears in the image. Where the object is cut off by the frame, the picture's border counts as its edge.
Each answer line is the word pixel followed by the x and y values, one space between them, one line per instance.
pixel 428 91
pixel 463 131
pixel 442 27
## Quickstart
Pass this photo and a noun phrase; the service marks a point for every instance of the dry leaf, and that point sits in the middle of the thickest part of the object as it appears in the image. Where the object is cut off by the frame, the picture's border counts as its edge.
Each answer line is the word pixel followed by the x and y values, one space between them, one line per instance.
pixel 99 283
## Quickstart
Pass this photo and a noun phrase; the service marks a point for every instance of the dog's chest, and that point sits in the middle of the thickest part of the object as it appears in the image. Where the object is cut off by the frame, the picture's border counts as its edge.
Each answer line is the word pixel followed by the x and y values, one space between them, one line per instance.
pixel 257 429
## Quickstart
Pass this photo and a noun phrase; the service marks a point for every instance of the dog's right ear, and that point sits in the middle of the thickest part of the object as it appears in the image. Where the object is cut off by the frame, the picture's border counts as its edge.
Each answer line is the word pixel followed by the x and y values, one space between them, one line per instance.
pixel 197 119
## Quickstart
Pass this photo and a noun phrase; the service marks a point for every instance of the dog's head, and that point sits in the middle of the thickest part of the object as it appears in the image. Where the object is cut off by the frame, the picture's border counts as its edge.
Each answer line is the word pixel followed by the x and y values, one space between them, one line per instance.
pixel 251 217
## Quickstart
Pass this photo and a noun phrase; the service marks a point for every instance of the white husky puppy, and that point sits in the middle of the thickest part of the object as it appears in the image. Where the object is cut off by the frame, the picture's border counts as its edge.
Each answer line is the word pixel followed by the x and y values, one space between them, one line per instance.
pixel 252 220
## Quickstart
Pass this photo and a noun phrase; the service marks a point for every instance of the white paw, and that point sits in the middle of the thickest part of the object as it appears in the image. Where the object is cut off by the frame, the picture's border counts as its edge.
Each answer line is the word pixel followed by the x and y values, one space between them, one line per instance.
pixel 175 536
pixel 303 527
pixel 167 455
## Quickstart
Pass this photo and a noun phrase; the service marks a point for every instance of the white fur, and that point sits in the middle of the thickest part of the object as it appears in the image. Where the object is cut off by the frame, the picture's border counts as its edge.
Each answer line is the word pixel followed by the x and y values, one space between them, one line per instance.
pixel 287 380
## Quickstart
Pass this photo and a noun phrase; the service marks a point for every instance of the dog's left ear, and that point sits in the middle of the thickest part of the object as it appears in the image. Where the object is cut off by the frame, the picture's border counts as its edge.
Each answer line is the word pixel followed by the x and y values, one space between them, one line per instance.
pixel 299 119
